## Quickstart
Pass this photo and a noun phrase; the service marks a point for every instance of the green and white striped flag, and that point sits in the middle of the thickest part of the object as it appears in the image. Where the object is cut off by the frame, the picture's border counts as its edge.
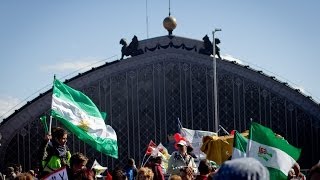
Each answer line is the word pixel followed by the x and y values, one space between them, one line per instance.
pixel 81 116
pixel 239 146
pixel 273 152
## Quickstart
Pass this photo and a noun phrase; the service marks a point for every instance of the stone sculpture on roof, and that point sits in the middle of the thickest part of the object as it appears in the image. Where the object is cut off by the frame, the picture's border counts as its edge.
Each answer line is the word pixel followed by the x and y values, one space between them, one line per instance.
pixel 208 47
pixel 132 49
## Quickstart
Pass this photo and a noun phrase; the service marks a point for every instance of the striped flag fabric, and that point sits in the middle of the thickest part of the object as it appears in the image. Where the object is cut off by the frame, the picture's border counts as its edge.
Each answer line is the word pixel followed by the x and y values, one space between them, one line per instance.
pixel 151 147
pixel 239 146
pixel 81 116
pixel 273 152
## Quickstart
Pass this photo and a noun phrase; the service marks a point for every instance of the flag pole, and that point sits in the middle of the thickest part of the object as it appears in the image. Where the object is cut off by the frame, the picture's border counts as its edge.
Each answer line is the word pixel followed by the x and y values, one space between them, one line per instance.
pixel 215 84
pixel 180 124
pixel 224 130
pixel 50 122
pixel 146 161
pixel 249 141
pixel 143 160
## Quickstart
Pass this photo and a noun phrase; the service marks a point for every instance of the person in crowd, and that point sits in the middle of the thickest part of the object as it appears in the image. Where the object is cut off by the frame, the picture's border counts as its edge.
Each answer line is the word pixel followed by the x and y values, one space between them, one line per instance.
pixel 145 173
pixel 175 177
pixel 1 176
pixel 130 169
pixel 242 169
pixel 180 159
pixel 32 173
pixel 156 168
pixel 204 170
pixel 54 153
pixel 24 176
pixel 187 173
pixel 314 173
pixel 118 174
pixel 214 167
pixel 295 173
pixel 190 151
pixel 10 174
pixel 17 169
pixel 108 175
pixel 83 174
pixel 78 161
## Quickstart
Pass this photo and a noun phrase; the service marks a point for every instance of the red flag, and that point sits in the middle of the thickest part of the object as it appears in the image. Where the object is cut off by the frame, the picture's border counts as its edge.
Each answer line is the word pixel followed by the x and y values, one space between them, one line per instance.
pixel 151 147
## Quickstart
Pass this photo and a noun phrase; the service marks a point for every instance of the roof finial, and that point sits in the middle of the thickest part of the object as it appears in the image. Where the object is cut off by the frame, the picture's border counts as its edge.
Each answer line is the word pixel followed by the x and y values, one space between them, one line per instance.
pixel 170 23
pixel 169 7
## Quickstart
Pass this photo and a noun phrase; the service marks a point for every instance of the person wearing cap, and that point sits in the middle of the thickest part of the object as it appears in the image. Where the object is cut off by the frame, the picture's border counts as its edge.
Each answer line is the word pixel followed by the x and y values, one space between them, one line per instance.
pixel 180 160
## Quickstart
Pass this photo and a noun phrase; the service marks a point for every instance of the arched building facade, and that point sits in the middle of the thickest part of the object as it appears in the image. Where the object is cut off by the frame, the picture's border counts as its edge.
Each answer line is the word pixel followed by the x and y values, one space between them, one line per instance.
pixel 145 94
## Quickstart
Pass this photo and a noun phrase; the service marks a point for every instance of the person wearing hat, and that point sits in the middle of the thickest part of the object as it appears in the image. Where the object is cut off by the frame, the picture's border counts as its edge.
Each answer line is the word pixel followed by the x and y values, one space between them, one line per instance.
pixel 180 160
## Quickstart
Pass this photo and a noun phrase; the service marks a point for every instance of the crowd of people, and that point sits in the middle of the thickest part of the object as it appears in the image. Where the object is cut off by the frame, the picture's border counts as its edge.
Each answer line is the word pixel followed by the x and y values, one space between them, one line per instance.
pixel 54 154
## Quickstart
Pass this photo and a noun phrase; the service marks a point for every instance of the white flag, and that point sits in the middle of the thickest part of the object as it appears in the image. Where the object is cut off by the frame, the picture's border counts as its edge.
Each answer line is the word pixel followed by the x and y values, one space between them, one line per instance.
pixel 195 139
pixel 98 168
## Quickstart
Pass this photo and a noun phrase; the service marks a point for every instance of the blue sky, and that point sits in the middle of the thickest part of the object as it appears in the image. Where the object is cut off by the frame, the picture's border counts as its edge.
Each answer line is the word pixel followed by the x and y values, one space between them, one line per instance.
pixel 40 38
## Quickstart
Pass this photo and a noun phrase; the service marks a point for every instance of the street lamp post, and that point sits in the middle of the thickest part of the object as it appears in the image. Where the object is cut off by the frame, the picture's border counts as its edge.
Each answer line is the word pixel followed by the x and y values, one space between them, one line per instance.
pixel 215 88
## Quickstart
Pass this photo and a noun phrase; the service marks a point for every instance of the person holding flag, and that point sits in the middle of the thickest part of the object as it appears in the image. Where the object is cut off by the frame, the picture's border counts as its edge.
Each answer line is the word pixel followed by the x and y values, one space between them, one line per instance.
pixel 81 116
pixel 54 153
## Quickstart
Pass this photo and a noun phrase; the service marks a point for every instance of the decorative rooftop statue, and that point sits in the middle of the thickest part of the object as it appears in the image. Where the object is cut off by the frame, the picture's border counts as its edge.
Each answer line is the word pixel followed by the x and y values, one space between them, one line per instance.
pixel 132 49
pixel 208 47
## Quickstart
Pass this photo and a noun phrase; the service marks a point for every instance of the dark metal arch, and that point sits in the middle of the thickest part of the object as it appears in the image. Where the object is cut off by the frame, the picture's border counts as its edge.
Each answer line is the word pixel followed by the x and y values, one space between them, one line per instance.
pixel 145 94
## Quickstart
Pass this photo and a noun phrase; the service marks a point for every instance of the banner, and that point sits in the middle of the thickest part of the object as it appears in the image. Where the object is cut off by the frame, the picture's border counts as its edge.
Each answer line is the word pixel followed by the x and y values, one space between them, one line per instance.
pixel 60 174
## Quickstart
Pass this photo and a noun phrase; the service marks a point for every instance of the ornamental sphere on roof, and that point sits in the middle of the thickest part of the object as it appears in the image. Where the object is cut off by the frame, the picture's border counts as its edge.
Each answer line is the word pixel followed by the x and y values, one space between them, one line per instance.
pixel 170 23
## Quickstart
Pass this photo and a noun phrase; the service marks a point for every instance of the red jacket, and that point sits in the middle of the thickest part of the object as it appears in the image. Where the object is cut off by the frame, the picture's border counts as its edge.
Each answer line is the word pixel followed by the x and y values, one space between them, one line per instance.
pixel 157 171
pixel 201 177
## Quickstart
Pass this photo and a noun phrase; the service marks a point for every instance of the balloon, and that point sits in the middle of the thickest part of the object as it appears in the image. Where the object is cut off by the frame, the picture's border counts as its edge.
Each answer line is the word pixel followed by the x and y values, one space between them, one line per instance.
pixel 232 132
pixel 177 137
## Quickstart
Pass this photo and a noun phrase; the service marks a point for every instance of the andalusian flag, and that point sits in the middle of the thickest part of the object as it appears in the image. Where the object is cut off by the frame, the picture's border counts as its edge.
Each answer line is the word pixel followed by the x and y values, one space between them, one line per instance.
pixel 272 151
pixel 81 116
pixel 239 146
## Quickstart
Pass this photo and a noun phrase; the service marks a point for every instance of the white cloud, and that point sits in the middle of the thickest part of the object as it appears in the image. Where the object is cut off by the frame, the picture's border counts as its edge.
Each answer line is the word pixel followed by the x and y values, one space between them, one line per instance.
pixel 82 64
pixel 7 106
pixel 231 58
